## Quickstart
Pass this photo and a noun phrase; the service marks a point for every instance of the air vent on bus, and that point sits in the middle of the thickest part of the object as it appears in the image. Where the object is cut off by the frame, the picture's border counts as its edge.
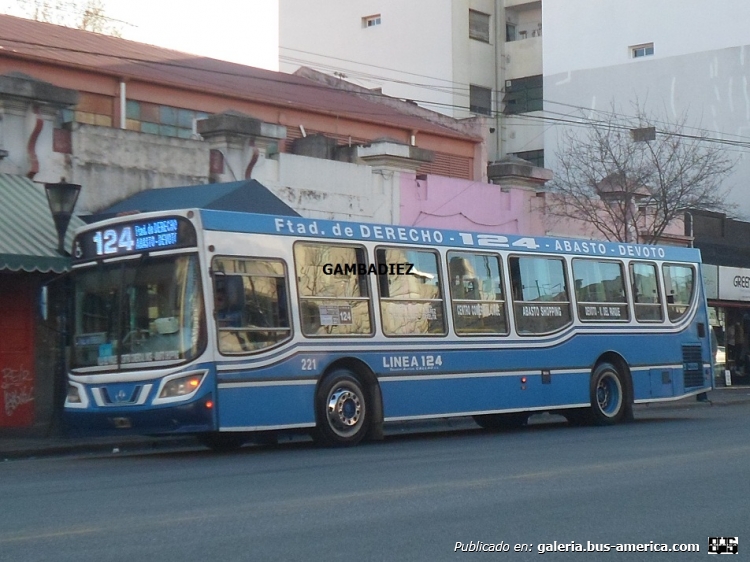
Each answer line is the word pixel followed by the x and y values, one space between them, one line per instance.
pixel 692 365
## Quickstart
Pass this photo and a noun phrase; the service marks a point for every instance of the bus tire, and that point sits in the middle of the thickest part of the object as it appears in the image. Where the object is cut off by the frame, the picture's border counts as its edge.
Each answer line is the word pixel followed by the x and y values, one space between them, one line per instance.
pixel 513 420
pixel 608 403
pixel 342 410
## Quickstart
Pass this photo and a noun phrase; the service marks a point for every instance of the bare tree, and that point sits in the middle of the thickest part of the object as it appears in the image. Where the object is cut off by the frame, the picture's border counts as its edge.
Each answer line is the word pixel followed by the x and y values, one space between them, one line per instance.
pixel 630 180
pixel 89 15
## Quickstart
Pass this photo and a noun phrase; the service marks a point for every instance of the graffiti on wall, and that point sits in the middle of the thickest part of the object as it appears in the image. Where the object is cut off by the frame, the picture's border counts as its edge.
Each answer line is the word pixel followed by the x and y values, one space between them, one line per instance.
pixel 17 386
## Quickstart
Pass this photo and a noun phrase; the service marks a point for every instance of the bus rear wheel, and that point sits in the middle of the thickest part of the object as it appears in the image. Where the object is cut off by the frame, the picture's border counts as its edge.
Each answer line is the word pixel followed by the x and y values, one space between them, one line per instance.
pixel 342 410
pixel 607 395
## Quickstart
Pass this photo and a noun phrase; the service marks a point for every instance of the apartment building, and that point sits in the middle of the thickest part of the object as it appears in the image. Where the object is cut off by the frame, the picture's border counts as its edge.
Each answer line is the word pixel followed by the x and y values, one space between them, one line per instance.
pixel 462 58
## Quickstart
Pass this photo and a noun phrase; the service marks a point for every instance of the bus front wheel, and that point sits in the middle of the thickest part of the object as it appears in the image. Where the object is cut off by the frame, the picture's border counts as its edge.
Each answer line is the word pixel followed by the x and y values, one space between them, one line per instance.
pixel 343 416
pixel 607 395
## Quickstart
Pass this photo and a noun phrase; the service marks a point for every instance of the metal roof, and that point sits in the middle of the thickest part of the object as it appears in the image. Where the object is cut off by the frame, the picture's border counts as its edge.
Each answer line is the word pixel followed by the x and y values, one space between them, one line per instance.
pixel 28 237
pixel 247 196
pixel 126 59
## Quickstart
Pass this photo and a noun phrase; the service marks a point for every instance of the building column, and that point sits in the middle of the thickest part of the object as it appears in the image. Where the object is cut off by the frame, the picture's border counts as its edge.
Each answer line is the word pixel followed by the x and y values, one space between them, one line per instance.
pixel 239 145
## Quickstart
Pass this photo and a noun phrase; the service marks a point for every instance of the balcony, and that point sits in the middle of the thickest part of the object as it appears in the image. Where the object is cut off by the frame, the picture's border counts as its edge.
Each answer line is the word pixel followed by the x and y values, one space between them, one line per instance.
pixel 524 3
pixel 523 58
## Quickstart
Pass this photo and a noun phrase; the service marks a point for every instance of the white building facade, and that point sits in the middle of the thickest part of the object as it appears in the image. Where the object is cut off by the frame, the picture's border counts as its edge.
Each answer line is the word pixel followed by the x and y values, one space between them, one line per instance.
pixel 450 56
pixel 674 59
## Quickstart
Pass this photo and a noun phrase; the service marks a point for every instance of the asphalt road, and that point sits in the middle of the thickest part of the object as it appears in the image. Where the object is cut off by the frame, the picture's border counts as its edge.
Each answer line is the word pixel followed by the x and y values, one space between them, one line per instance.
pixel 673 476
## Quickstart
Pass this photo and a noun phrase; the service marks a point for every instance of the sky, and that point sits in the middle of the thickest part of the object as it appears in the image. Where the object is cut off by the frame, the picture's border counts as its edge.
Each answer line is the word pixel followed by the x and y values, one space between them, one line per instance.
pixel 241 31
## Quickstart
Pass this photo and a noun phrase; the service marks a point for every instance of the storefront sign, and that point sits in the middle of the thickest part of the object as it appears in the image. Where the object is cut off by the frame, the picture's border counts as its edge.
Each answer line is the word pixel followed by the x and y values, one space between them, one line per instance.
pixel 734 283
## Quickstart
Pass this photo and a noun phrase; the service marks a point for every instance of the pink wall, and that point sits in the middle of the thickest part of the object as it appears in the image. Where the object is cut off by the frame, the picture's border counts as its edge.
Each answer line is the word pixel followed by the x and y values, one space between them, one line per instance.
pixel 443 202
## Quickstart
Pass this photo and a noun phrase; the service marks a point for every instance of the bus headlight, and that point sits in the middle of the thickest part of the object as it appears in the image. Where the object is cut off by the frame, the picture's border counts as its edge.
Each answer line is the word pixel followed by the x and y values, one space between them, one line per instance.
pixel 181 386
pixel 74 397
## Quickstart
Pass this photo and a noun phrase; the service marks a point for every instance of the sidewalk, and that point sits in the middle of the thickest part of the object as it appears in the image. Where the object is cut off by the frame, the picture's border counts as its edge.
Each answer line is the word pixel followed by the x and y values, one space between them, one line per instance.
pixel 23 447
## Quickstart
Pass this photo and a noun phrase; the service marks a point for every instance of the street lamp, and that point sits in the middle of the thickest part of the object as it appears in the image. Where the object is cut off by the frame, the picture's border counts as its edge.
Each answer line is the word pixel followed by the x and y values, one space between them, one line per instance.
pixel 62 197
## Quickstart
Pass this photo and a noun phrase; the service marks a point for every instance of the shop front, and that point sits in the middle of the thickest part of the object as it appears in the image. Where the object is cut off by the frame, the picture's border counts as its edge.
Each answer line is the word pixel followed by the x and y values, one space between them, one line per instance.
pixel 32 305
pixel 728 293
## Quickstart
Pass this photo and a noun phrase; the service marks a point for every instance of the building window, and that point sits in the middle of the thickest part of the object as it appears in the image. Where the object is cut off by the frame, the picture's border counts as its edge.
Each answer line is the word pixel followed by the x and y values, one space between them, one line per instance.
pixel 642 50
pixel 523 95
pixel 510 31
pixel 93 109
pixel 479 26
pixel 161 120
pixel 536 157
pixel 480 100
pixel 371 21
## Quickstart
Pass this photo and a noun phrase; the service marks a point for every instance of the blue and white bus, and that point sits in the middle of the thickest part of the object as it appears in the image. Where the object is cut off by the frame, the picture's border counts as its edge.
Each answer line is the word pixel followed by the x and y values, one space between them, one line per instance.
pixel 227 324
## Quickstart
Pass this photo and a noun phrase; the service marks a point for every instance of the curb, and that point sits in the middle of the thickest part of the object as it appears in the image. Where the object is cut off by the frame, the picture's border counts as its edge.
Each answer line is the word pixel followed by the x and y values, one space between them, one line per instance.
pixel 30 448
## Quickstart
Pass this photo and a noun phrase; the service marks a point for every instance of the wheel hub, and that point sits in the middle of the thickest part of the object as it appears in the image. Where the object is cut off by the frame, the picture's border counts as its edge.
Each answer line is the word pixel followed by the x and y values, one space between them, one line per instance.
pixel 608 395
pixel 344 408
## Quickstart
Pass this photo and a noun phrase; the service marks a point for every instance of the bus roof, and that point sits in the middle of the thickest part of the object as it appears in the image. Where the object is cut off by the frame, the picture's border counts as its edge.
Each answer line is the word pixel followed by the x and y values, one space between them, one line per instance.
pixel 429 236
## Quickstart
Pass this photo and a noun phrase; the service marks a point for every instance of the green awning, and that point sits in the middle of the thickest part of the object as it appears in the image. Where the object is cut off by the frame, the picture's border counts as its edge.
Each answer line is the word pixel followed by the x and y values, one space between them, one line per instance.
pixel 28 237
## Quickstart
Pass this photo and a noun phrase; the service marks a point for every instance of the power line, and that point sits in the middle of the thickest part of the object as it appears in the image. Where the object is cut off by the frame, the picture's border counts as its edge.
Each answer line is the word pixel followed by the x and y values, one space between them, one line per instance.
pixel 548 116
pixel 462 90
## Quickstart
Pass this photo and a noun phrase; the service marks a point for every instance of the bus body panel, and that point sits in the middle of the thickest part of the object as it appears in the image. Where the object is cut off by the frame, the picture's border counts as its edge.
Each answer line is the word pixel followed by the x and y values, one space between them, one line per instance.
pixel 266 406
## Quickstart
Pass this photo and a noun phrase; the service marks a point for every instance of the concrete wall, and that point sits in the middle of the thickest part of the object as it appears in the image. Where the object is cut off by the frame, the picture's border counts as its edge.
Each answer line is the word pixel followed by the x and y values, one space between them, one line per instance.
pixel 523 58
pixel 328 189
pixel 524 132
pixel 113 164
pixel 18 121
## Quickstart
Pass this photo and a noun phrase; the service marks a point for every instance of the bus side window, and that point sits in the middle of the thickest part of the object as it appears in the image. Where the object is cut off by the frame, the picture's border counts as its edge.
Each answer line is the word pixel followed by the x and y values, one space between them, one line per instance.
pixel 230 301
pixel 600 290
pixel 476 293
pixel 679 281
pixel 544 303
pixel 251 308
pixel 411 301
pixel 646 300
pixel 334 297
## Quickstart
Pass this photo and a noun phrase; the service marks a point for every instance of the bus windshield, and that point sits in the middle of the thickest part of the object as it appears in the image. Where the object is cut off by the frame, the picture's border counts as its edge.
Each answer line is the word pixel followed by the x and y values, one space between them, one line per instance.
pixel 142 310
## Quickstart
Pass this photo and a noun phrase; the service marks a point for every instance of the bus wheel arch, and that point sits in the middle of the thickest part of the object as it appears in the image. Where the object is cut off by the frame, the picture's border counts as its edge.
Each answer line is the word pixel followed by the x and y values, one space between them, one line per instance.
pixel 611 390
pixel 348 404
